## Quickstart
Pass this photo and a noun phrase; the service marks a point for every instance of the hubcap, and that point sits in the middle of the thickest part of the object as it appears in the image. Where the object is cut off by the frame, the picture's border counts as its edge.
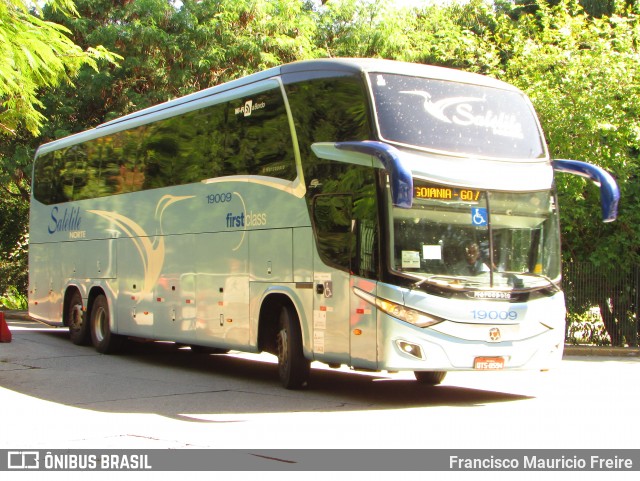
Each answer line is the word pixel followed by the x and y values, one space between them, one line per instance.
pixel 100 324
pixel 76 317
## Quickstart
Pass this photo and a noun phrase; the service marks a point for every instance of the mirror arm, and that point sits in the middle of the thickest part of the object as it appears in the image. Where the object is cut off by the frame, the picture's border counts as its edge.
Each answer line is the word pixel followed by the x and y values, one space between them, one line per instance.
pixel 609 191
pixel 401 178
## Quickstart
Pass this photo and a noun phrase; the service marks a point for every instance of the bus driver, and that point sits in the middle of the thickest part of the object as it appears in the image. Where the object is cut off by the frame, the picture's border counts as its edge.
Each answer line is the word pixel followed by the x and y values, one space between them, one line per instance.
pixel 472 264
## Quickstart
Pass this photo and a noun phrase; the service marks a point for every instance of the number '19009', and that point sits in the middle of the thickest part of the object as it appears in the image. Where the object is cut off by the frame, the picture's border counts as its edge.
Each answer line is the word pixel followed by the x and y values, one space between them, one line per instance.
pixel 481 314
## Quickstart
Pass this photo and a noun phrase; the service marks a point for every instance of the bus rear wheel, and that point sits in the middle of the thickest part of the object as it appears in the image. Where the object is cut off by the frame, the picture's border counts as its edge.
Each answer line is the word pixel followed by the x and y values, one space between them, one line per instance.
pixel 293 367
pixel 430 378
pixel 103 339
pixel 76 320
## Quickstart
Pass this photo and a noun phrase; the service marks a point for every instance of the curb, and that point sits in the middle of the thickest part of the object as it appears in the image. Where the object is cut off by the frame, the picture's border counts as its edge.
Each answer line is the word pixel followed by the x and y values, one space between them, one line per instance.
pixel 605 351
pixel 17 315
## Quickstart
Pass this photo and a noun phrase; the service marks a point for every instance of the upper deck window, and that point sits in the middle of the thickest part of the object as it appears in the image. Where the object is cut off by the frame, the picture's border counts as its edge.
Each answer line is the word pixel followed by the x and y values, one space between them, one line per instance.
pixel 456 118
pixel 249 135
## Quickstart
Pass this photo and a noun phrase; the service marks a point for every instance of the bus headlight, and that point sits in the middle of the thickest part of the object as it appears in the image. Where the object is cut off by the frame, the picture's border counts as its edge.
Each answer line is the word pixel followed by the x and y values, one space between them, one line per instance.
pixel 406 314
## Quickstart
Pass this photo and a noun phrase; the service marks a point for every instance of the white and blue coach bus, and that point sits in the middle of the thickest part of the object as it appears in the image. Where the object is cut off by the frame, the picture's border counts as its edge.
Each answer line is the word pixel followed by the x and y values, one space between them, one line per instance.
pixel 367 213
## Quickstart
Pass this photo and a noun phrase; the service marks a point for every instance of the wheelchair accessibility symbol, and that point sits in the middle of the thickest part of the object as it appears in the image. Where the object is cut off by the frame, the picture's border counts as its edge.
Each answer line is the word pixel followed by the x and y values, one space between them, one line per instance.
pixel 479 216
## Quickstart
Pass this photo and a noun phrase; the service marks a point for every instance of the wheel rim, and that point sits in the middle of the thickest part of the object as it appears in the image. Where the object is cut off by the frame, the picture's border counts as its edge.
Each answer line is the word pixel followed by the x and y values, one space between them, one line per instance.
pixel 100 329
pixel 75 321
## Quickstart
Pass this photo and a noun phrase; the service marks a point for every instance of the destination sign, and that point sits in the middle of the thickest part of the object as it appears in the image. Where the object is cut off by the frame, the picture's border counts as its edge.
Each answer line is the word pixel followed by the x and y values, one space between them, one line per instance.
pixel 439 192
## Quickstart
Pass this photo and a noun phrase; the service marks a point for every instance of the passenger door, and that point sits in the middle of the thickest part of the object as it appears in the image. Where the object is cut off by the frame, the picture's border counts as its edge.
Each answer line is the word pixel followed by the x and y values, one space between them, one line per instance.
pixel 331 309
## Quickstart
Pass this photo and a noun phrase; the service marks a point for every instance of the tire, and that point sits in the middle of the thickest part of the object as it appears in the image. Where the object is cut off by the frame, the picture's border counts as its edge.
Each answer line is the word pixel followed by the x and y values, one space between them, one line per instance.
pixel 77 321
pixel 293 367
pixel 105 341
pixel 430 378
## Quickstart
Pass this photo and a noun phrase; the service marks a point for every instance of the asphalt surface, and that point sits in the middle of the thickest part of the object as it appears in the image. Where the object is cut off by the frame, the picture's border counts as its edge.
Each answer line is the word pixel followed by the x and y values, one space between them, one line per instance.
pixel 54 394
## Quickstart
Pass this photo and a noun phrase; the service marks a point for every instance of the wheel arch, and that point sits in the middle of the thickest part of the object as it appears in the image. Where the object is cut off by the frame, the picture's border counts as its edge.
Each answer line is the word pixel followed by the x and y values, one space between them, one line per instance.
pixel 270 307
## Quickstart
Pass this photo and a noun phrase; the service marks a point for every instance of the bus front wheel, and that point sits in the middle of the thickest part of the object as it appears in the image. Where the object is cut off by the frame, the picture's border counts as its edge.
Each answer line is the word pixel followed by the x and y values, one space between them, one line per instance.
pixel 293 367
pixel 430 378
pixel 103 339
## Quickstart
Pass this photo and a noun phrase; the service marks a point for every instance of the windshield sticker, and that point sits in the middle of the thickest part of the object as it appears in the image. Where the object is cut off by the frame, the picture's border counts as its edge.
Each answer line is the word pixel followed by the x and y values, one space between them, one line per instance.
pixel 410 260
pixel 460 111
pixel 432 252
pixel 479 216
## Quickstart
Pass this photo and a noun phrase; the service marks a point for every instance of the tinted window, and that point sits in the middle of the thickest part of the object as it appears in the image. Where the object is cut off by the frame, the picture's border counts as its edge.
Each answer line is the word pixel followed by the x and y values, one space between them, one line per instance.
pixel 247 136
pixel 343 201
pixel 328 110
pixel 455 117
pixel 341 197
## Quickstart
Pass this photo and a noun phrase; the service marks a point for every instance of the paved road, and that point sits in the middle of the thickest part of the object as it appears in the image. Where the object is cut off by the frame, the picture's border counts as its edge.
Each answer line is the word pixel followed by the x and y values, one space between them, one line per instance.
pixel 54 394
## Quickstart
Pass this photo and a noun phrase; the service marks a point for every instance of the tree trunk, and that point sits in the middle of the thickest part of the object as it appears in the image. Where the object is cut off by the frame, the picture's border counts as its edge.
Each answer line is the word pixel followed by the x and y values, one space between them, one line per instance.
pixel 609 319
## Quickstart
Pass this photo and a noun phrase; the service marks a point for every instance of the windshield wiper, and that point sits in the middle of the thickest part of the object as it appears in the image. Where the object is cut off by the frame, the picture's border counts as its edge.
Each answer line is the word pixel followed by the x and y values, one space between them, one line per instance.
pixel 513 275
pixel 461 282
pixel 450 281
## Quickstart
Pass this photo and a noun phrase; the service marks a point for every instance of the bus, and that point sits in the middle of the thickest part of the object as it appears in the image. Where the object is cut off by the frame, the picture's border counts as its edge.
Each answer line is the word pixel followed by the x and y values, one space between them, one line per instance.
pixel 374 214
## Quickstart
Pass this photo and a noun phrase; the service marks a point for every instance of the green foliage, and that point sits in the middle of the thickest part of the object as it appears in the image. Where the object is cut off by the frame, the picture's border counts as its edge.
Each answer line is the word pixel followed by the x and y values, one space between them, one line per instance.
pixel 586 328
pixel 36 54
pixel 602 303
pixel 580 72
pixel 14 300
pixel 14 215
pixel 170 51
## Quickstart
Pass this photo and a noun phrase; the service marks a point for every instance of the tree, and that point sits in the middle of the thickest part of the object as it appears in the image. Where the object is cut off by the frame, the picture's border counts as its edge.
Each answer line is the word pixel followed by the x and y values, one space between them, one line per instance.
pixel 171 50
pixel 580 72
pixel 36 55
pixel 595 8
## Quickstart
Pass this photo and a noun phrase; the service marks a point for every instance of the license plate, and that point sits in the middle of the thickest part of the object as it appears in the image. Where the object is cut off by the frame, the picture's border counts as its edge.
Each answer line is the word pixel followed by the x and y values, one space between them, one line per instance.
pixel 488 363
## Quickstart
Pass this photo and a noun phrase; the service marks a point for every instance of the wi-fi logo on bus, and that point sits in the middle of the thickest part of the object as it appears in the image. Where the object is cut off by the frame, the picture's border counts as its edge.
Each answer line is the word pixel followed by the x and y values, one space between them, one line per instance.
pixel 248 108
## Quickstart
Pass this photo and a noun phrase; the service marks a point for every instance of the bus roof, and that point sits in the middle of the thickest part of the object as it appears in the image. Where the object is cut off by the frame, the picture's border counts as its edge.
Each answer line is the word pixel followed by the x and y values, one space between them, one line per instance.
pixel 346 65
pixel 357 65
pixel 354 66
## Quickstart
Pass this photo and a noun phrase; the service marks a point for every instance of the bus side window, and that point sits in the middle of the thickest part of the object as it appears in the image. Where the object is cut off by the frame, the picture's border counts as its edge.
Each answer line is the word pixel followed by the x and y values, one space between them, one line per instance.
pixel 218 140
pixel 332 215
pixel 261 136
pixel 355 219
pixel 48 186
pixel 334 108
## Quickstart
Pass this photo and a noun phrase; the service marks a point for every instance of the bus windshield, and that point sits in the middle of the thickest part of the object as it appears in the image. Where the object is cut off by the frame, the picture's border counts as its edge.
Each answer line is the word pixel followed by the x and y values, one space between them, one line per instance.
pixel 456 118
pixel 467 238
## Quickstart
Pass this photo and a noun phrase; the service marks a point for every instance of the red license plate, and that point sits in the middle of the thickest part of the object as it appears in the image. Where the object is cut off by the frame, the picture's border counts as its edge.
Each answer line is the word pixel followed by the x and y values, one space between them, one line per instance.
pixel 488 363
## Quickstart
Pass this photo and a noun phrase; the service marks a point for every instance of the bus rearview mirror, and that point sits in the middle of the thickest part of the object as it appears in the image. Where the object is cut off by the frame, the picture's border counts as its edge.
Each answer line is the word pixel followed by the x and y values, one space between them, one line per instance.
pixel 609 191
